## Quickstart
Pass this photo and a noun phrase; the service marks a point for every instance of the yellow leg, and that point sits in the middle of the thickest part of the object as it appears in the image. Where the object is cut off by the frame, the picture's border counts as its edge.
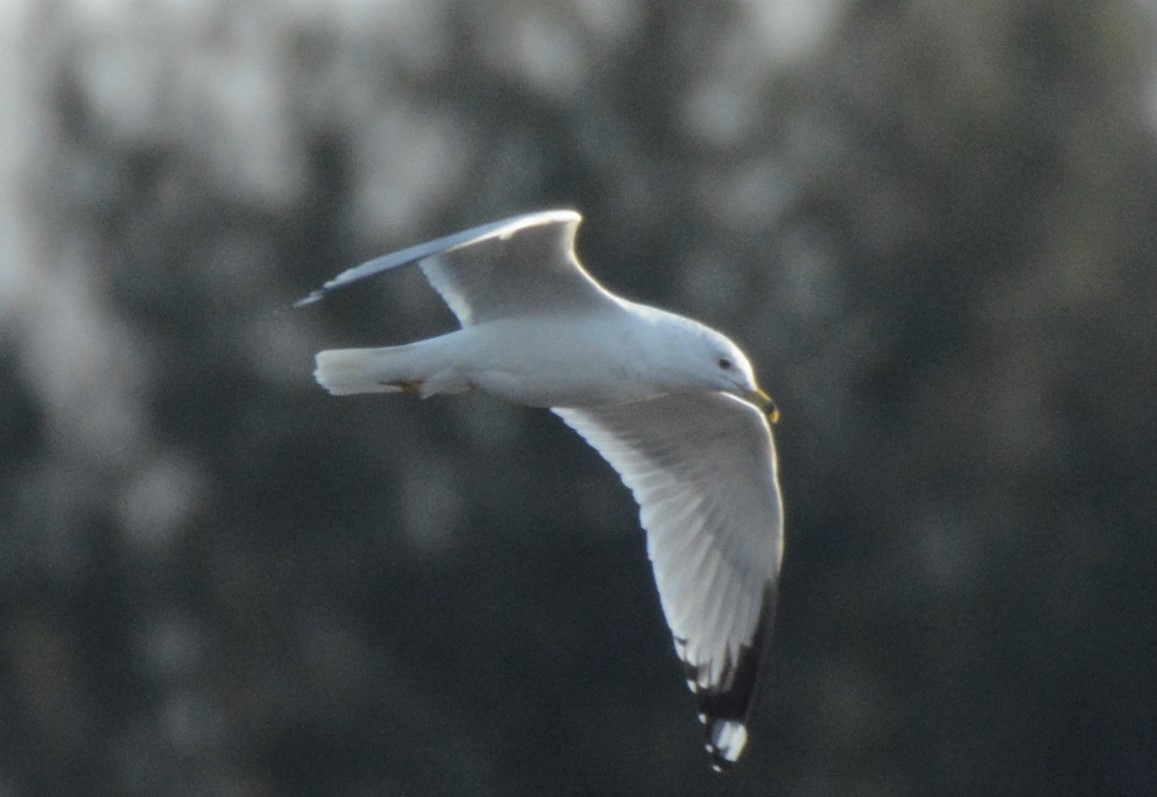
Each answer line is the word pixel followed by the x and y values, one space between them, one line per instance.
pixel 413 388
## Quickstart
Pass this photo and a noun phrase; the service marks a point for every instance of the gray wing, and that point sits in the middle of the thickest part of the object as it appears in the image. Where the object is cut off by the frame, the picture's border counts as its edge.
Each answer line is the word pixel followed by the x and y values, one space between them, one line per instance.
pixel 518 267
pixel 703 470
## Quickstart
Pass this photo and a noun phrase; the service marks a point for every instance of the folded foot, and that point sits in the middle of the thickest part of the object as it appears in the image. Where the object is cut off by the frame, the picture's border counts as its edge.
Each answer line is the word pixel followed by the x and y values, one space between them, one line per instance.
pixel 410 388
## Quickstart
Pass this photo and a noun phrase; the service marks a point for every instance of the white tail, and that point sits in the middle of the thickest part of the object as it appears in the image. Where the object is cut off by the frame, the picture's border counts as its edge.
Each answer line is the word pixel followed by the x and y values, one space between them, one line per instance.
pixel 344 372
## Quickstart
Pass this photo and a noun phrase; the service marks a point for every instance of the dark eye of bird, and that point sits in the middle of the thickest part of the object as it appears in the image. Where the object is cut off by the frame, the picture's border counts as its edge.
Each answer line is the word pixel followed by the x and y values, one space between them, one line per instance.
pixel 725 363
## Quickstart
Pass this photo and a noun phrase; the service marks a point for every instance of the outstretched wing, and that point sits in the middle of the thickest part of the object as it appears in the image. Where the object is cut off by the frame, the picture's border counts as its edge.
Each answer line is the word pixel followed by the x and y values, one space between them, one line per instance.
pixel 702 468
pixel 518 267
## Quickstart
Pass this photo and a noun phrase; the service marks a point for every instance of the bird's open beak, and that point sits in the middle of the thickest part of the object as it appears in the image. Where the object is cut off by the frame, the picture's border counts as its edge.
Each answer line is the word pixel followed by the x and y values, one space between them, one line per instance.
pixel 765 403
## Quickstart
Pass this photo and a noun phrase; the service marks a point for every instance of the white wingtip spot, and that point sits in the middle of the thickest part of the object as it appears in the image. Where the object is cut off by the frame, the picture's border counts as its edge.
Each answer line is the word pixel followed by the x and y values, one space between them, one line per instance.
pixel 728 738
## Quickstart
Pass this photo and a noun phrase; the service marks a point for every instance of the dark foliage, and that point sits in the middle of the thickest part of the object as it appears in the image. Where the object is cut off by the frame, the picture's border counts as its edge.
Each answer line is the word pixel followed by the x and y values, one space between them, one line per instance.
pixel 931 225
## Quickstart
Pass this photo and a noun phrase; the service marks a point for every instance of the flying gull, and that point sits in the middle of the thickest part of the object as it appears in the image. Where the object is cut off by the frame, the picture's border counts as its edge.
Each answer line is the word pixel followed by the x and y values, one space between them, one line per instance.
pixel 671 404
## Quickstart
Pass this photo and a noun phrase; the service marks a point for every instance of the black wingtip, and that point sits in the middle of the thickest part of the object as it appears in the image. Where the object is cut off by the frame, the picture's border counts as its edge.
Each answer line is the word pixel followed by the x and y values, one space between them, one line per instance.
pixel 720 764
pixel 726 709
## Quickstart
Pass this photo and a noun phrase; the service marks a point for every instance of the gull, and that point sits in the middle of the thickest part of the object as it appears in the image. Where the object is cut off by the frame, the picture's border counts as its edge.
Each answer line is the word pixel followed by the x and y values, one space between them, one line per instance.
pixel 671 404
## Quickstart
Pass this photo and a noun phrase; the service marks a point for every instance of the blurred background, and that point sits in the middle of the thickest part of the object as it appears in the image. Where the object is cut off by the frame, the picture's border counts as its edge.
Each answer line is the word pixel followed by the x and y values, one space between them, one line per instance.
pixel 932 225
